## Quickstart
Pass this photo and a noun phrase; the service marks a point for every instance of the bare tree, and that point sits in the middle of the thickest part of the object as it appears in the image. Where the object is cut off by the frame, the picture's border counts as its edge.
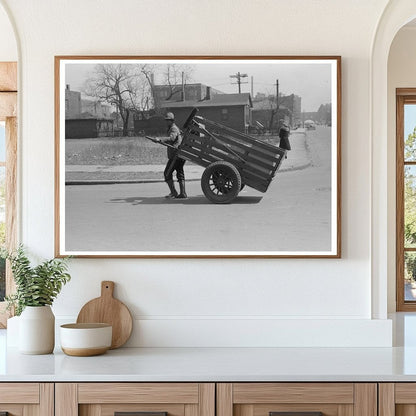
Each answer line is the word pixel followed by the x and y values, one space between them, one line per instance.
pixel 272 108
pixel 123 86
pixel 172 76
pixel 130 87
pixel 148 72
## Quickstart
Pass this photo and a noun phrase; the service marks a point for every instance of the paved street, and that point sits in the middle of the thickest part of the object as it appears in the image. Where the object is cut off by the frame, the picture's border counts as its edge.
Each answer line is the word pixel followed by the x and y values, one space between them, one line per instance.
pixel 409 291
pixel 293 215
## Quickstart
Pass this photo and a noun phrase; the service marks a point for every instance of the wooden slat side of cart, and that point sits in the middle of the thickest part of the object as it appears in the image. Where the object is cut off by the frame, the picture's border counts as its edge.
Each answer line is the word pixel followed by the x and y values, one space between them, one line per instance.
pixel 205 142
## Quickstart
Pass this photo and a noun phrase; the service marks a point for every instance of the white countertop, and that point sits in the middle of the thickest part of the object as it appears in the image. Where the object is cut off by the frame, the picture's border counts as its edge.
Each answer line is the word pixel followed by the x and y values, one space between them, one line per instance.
pixel 222 364
pixel 215 364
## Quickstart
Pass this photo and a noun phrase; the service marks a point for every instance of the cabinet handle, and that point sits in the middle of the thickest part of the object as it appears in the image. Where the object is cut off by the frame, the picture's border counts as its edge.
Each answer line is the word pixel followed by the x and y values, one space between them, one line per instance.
pixel 295 414
pixel 138 414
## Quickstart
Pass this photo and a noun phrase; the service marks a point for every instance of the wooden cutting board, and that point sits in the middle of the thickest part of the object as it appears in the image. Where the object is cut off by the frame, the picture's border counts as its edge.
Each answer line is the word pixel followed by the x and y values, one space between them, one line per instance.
pixel 107 309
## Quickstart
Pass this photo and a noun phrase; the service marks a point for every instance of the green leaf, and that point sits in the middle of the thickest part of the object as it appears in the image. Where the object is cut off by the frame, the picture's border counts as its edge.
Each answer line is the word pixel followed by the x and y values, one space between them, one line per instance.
pixel 35 286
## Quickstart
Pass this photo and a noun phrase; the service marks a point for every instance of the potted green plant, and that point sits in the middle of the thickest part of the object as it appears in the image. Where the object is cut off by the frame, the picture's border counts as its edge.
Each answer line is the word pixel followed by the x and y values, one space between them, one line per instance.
pixel 36 289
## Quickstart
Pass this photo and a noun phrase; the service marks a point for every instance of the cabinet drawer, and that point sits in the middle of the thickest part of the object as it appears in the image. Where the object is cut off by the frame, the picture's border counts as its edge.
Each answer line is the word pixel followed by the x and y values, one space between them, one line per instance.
pixel 21 399
pixel 297 399
pixel 397 399
pixel 19 393
pixel 145 399
pixel 138 393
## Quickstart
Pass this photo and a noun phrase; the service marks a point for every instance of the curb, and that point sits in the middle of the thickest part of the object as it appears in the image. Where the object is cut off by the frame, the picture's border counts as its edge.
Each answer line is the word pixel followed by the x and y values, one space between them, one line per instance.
pixel 115 181
pixel 133 181
pixel 300 167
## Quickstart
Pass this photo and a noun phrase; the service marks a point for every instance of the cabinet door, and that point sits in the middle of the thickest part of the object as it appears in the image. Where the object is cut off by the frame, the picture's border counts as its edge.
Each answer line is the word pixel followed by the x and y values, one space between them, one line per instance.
pixel 297 399
pixel 142 399
pixel 26 399
pixel 397 399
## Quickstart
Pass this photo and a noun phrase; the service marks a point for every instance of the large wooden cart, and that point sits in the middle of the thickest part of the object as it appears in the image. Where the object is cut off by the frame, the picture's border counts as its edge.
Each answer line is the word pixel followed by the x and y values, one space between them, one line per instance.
pixel 231 159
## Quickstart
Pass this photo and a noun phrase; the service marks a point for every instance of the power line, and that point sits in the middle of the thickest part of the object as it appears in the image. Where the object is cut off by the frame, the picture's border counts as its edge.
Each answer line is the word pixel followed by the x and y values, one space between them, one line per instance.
pixel 239 76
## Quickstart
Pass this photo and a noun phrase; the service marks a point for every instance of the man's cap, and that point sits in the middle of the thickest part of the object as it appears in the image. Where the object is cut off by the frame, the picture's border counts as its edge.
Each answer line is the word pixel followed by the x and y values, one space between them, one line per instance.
pixel 169 116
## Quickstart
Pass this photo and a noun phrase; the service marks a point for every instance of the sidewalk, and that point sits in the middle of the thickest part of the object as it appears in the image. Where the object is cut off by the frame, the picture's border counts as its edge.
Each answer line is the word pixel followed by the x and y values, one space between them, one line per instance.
pixel 297 158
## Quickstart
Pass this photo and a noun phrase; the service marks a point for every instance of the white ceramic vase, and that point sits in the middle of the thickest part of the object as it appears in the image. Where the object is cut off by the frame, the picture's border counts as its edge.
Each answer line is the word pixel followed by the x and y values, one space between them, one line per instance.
pixel 37 330
pixel 12 334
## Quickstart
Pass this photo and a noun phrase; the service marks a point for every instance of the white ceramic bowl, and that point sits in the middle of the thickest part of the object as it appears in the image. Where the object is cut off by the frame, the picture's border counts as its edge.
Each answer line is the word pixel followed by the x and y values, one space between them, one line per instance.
pixel 84 340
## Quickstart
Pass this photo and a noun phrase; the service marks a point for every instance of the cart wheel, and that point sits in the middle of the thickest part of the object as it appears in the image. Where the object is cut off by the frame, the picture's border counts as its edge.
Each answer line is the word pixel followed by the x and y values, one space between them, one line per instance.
pixel 221 182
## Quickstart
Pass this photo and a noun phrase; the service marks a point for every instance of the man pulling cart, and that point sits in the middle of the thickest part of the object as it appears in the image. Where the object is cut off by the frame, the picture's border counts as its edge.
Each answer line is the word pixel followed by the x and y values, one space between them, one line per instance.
pixel 174 163
pixel 231 159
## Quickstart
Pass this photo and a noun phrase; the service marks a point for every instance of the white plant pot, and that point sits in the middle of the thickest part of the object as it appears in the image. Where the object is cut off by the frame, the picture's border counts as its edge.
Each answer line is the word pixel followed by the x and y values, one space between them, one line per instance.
pixel 13 332
pixel 37 330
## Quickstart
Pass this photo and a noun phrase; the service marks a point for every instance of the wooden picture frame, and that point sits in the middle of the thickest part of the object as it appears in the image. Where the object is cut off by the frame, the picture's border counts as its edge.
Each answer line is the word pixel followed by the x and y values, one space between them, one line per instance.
pixel 405 97
pixel 109 179
pixel 8 116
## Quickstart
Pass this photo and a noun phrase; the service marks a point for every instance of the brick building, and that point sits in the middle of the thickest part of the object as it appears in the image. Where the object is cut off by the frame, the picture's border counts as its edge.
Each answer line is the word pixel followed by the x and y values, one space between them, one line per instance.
pixel 289 109
pixel 72 103
pixel 232 110
pixel 90 108
pixel 86 118
pixel 187 92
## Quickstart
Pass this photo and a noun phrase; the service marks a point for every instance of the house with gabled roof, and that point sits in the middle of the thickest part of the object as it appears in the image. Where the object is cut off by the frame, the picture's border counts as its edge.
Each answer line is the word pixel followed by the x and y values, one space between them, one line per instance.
pixel 232 110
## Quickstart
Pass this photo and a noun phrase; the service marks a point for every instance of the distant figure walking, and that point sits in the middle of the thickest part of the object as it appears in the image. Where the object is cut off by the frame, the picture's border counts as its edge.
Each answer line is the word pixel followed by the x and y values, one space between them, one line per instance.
pixel 284 133
pixel 174 163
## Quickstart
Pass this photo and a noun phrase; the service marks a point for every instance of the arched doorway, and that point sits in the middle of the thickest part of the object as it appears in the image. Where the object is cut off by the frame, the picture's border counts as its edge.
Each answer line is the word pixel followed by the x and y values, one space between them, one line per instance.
pixel 401 97
pixel 396 15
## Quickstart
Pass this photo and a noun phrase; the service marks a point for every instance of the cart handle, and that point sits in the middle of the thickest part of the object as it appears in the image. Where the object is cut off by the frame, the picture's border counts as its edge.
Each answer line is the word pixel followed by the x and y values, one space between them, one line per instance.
pixel 152 139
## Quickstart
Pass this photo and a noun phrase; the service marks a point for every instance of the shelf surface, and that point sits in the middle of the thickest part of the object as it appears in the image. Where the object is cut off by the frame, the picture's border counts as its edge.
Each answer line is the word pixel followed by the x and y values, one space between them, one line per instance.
pixel 214 364
pixel 222 364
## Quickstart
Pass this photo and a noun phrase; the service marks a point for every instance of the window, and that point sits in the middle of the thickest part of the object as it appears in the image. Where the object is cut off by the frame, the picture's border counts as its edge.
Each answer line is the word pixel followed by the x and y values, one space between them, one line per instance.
pixel 406 199
pixel 224 114
pixel 8 166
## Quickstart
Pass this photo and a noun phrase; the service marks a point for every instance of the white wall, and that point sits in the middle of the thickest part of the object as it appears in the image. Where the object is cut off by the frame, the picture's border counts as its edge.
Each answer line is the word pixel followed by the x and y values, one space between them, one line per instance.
pixel 203 302
pixel 8 47
pixel 401 74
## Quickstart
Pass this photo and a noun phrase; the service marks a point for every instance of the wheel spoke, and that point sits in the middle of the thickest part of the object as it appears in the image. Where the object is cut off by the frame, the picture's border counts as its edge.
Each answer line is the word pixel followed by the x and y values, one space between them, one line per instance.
pixel 220 182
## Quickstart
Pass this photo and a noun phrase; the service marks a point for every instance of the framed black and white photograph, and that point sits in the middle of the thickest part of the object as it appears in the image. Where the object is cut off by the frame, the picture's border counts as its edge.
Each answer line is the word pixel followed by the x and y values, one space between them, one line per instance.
pixel 198 156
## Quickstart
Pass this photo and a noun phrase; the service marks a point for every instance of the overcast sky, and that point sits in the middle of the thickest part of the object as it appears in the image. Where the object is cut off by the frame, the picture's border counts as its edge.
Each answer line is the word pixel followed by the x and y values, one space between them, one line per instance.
pixel 310 81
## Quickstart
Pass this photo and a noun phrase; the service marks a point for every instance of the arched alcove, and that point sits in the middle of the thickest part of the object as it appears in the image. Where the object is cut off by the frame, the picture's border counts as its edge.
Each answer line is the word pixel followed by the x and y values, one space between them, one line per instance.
pixel 401 74
pixel 396 15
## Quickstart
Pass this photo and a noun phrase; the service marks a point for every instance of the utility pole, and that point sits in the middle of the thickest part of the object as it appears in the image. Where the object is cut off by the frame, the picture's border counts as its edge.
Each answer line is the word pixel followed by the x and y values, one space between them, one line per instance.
pixel 277 97
pixel 239 77
pixel 252 87
pixel 276 111
pixel 183 86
